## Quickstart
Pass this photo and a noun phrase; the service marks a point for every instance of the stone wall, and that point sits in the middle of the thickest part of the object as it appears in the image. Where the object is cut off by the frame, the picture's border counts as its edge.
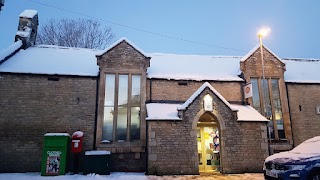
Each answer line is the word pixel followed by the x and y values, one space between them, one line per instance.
pixel 170 90
pixel 303 99
pixel 128 162
pixel 172 146
pixel 32 105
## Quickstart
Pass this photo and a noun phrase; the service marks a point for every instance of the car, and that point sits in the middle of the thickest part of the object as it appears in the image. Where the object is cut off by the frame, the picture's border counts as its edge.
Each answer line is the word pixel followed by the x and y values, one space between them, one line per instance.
pixel 302 162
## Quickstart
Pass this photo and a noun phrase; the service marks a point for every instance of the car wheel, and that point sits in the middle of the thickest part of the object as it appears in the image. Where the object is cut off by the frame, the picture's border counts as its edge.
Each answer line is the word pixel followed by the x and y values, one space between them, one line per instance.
pixel 315 176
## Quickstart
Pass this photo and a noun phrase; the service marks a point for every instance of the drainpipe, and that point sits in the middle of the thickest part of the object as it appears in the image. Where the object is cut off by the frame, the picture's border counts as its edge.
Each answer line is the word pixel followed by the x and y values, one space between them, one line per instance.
pixel 289 112
pixel 150 91
pixel 96 113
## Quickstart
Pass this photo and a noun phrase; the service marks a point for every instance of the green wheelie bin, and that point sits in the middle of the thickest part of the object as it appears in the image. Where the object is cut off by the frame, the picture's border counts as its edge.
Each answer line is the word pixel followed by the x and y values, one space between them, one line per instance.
pixel 55 153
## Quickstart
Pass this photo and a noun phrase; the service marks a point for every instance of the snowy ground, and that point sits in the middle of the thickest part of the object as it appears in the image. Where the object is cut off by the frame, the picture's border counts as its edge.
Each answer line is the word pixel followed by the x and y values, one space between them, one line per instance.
pixel 126 176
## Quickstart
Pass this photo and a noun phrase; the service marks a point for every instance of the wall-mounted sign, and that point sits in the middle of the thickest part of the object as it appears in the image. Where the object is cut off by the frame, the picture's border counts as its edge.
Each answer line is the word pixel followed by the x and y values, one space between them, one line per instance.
pixel 318 109
pixel 247 89
pixel 207 103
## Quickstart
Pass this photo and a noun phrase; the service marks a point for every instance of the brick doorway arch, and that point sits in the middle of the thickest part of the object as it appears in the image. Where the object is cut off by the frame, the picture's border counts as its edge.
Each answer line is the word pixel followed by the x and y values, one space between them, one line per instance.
pixel 209 128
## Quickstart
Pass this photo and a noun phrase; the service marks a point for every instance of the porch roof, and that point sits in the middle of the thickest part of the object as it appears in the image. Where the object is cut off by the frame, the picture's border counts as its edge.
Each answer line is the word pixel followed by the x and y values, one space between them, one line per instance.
pixel 248 113
pixel 162 111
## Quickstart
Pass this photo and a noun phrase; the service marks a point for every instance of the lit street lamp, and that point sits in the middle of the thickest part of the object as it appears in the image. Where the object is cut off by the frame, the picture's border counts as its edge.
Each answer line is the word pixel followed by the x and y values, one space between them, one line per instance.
pixel 262 33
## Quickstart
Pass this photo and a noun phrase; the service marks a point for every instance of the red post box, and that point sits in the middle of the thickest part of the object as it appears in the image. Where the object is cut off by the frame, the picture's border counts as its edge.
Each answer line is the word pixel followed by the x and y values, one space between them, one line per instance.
pixel 76 142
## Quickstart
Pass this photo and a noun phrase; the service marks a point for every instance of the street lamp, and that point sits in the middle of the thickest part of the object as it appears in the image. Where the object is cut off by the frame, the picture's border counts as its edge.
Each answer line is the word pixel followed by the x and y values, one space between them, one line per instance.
pixel 262 33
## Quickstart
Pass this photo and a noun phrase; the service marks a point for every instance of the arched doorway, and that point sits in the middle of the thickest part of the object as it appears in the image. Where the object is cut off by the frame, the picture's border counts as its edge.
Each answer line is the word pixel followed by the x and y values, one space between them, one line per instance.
pixel 208 143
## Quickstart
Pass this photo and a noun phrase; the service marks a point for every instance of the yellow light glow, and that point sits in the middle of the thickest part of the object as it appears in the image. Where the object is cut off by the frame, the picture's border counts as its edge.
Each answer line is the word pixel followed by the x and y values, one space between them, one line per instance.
pixel 263 32
pixel 207 98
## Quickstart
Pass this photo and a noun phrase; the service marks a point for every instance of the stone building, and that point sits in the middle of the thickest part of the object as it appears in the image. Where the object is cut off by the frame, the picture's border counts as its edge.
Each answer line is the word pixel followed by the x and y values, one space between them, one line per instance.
pixel 158 113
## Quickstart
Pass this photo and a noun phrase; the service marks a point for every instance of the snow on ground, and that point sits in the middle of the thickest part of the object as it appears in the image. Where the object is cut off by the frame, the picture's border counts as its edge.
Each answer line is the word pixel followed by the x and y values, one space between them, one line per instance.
pixel 126 176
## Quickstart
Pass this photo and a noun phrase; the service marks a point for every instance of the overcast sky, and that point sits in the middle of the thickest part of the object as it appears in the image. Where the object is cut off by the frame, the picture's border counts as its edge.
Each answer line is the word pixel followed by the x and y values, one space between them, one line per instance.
pixel 233 25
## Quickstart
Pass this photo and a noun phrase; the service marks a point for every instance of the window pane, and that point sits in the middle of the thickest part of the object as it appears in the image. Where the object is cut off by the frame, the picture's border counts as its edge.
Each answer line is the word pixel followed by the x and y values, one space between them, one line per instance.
pixel 107 130
pixel 135 108
pixel 122 123
pixel 255 94
pixel 135 123
pixel 109 91
pixel 135 91
pixel 267 106
pixel 266 98
pixel 277 107
pixel 108 123
pixel 122 120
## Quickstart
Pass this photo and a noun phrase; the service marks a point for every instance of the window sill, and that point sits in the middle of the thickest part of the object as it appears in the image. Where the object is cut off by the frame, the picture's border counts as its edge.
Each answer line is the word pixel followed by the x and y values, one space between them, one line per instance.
pixel 122 147
pixel 276 141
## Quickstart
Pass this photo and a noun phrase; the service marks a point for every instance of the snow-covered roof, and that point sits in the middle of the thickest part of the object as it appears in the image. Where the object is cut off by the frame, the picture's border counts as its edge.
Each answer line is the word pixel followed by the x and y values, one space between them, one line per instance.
pixel 53 60
pixel 302 71
pixel 199 91
pixel 48 59
pixel 248 113
pixel 28 13
pixel 194 67
pixel 162 111
pixel 118 42
pixel 11 49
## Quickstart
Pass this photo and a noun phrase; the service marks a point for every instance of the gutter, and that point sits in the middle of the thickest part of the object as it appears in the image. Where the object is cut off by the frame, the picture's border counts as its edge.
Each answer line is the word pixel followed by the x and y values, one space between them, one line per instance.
pixel 15 50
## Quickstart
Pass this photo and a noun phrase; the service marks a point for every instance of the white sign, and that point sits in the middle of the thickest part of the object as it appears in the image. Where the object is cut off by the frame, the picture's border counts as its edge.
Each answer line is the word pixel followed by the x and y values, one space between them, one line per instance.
pixel 318 109
pixel 207 103
pixel 247 89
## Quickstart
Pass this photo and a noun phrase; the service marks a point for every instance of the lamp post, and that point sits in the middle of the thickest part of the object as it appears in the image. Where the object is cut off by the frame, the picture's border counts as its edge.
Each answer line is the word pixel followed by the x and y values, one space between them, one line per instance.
pixel 263 32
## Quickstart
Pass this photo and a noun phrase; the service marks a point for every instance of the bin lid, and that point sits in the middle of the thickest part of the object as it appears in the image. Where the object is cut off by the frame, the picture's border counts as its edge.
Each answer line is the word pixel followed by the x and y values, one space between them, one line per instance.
pixel 57 134
pixel 88 153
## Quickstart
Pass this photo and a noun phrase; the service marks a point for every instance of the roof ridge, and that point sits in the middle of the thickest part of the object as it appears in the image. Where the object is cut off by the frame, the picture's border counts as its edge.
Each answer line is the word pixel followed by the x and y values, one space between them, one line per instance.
pixel 63 47
pixel 118 42
pixel 215 56
pixel 199 91
pixel 302 59
pixel 255 49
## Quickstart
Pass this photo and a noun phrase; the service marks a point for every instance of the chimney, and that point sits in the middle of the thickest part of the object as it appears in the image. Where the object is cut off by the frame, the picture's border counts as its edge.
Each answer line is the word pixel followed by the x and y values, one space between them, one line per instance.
pixel 28 28
pixel 1 4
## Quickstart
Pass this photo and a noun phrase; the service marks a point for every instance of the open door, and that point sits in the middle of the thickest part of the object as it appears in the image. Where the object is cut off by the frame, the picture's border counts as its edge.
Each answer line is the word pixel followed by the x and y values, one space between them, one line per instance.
pixel 208 146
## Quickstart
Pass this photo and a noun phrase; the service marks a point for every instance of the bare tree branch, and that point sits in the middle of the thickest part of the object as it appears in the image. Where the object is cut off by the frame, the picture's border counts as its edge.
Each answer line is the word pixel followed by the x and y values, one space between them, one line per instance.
pixel 83 33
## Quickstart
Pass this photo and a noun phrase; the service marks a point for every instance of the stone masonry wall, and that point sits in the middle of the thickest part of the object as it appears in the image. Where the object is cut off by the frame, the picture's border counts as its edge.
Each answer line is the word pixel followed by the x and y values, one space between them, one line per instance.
pixel 170 90
pixel 303 99
pixel 31 105
pixel 172 146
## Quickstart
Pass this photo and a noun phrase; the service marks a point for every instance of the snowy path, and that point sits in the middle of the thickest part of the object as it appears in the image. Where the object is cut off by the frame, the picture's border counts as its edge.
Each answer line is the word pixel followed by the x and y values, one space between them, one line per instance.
pixel 125 176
